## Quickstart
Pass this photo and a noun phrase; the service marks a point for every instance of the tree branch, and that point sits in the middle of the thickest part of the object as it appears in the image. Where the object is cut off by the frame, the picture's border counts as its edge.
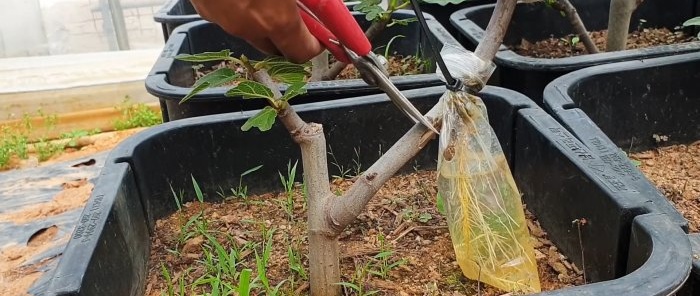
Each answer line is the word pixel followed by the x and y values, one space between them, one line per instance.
pixel 575 20
pixel 619 23
pixel 345 209
pixel 496 30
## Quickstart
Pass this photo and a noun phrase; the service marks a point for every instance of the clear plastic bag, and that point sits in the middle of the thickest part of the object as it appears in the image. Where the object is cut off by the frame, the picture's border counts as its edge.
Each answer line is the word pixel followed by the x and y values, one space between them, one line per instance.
pixel 484 211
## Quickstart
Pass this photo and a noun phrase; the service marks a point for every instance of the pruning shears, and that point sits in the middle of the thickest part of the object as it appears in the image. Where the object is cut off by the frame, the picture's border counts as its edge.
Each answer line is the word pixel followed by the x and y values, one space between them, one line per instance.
pixel 333 25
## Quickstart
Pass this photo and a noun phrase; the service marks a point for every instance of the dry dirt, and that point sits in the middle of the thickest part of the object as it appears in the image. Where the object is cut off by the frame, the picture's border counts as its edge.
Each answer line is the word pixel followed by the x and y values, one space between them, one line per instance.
pixel 675 170
pixel 16 277
pixel 402 218
pixel 552 48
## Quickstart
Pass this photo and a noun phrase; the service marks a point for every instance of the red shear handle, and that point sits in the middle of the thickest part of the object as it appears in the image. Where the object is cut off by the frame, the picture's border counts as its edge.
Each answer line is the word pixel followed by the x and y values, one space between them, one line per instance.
pixel 337 23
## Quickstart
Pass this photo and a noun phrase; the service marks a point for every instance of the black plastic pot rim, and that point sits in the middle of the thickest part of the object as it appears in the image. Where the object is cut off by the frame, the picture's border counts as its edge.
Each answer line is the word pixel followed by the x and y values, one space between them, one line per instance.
pixel 163 14
pixel 158 85
pixel 507 57
pixel 559 88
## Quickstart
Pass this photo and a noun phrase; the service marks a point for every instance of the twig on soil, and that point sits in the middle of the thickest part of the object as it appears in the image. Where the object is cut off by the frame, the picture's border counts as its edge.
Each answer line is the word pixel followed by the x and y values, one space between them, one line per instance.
pixel 575 19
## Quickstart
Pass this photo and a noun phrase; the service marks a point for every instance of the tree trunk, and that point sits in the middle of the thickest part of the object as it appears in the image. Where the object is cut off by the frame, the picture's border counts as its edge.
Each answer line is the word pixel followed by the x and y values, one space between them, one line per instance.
pixel 328 214
pixel 319 66
pixel 619 23
pixel 575 20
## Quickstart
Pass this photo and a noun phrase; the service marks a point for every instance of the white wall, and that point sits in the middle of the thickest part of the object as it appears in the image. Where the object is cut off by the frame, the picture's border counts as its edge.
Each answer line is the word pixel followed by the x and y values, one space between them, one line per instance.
pixel 21 29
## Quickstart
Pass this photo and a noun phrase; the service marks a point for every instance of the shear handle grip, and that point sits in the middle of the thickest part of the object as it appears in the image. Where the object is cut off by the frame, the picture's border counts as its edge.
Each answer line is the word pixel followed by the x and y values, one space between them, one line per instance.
pixel 338 21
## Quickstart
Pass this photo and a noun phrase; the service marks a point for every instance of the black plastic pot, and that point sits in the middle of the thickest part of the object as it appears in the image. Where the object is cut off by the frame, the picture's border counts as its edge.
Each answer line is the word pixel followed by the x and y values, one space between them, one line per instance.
pixel 619 107
pixel 536 22
pixel 442 13
pixel 175 13
pixel 628 251
pixel 170 79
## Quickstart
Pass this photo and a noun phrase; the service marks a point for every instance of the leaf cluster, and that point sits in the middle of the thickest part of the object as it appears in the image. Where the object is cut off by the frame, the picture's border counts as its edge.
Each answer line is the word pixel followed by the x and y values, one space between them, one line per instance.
pixel 237 72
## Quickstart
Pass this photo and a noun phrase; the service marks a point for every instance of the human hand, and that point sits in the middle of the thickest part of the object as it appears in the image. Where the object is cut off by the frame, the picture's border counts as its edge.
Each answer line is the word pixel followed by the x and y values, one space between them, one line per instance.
pixel 271 26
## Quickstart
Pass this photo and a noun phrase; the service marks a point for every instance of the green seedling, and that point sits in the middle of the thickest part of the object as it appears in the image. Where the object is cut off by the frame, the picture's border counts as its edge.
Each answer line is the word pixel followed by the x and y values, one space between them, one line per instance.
pixel 242 191
pixel 136 115
pixel 295 264
pixel 288 185
pixel 357 284
pixel 383 260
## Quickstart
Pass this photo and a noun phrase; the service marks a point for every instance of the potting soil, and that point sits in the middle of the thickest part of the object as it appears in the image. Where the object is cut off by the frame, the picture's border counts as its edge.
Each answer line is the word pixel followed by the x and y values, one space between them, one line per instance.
pixel 675 170
pixel 401 225
pixel 553 47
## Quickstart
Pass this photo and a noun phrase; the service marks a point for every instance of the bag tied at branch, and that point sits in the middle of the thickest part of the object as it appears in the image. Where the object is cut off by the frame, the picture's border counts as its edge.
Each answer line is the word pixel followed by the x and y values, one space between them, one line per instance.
pixel 484 211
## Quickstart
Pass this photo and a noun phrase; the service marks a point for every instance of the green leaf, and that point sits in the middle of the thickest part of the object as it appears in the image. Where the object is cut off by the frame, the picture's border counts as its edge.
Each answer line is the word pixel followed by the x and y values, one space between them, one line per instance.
pixel 251 90
pixel 635 162
pixel 692 22
pixel 215 78
pixel 286 72
pixel 440 204
pixel 402 22
pixel 294 90
pixel 251 170
pixel 197 190
pixel 263 120
pixel 244 282
pixel 205 56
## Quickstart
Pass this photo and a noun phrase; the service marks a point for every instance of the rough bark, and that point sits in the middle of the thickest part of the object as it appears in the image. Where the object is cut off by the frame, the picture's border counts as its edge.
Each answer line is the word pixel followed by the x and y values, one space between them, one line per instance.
pixel 496 30
pixel 619 23
pixel 575 20
pixel 319 66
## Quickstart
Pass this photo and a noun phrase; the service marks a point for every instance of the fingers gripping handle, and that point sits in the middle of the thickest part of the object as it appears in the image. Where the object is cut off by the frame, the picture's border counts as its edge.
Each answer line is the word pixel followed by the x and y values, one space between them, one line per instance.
pixel 324 36
pixel 338 22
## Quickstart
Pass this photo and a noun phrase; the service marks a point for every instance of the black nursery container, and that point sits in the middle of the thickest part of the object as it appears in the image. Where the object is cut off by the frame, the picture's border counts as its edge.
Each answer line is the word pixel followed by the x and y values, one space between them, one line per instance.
pixel 170 79
pixel 175 13
pixel 442 13
pixel 627 250
pixel 534 22
pixel 620 107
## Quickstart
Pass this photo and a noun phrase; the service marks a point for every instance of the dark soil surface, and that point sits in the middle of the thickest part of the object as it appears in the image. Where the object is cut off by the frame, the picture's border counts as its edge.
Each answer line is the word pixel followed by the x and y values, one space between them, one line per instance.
pixel 399 227
pixel 552 48
pixel 675 170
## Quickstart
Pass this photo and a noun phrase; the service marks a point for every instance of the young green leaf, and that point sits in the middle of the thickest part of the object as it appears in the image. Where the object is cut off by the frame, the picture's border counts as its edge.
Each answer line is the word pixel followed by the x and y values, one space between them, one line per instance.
pixel 294 90
pixel 263 120
pixel 215 78
pixel 251 90
pixel 197 190
pixel 692 22
pixel 205 56
pixel 287 72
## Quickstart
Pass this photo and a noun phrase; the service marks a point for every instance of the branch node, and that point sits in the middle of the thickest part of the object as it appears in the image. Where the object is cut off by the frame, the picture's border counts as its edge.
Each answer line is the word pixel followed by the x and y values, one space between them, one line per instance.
pixel 371 176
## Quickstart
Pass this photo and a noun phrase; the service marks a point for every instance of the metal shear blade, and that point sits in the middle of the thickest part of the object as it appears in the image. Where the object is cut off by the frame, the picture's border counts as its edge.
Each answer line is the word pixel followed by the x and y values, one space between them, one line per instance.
pixel 375 74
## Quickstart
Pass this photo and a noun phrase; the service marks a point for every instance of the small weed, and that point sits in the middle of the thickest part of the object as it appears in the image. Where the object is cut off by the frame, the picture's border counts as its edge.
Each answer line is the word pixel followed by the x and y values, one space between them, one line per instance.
pixel 295 264
pixel 343 172
pixel 288 185
pixel 136 115
pixel 47 149
pixel 357 284
pixel 74 135
pixel 242 191
pixel 383 261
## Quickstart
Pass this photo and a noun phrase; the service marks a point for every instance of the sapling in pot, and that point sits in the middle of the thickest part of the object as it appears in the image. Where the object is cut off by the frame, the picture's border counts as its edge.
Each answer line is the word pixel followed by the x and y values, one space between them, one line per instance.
pixel 328 214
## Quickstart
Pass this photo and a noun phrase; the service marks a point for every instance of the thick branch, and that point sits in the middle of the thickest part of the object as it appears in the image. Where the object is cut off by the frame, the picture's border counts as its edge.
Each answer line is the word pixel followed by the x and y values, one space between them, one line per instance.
pixel 575 20
pixel 345 209
pixel 372 32
pixel 319 66
pixel 619 23
pixel 496 29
